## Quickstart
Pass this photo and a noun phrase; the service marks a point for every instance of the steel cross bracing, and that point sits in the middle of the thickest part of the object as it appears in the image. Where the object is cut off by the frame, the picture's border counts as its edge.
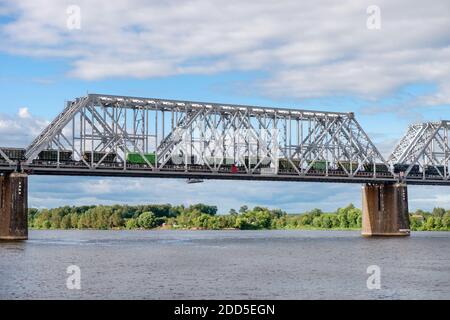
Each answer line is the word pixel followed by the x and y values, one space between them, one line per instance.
pixel 7 160
pixel 424 151
pixel 105 134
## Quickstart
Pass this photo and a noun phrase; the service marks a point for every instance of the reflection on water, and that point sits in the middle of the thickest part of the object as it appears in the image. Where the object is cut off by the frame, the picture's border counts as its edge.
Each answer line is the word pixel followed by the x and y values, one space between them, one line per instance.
pixel 225 265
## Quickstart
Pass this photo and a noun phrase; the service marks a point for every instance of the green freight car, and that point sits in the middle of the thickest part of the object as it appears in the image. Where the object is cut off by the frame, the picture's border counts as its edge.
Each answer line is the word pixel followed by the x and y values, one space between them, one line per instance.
pixel 319 165
pixel 347 166
pixel 136 158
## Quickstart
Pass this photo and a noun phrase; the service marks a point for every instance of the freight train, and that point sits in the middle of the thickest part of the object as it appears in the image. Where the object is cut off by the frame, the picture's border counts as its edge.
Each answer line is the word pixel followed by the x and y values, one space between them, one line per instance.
pixel 227 164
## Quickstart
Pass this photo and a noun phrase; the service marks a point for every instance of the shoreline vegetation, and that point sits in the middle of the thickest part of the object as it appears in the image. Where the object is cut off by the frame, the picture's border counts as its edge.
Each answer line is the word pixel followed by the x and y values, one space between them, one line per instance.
pixel 205 217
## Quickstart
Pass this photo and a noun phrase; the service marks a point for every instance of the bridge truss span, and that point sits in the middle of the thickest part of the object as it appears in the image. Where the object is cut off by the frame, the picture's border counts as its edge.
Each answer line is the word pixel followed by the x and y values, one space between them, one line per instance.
pixel 423 153
pixel 108 134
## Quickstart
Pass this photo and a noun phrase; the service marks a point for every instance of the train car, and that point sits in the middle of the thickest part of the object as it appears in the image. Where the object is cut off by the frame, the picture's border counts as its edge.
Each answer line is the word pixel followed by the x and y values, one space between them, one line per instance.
pixel 319 165
pixel 136 158
pixel 379 168
pixel 51 155
pixel 403 167
pixel 223 162
pixel 265 162
pixel 347 166
pixel 252 161
pixel 434 170
pixel 110 158
pixel 181 160
pixel 14 154
pixel 285 164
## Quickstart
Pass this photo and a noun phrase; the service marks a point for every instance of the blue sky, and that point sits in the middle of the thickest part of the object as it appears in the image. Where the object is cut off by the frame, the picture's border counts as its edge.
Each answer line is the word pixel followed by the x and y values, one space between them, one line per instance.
pixel 301 55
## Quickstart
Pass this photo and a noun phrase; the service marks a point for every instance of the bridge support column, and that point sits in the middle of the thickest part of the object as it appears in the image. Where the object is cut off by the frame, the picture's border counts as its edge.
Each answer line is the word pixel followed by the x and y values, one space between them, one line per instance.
pixel 14 206
pixel 385 210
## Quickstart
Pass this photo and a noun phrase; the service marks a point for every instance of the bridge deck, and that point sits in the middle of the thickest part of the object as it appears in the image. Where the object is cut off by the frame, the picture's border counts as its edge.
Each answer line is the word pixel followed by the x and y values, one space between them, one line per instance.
pixel 115 170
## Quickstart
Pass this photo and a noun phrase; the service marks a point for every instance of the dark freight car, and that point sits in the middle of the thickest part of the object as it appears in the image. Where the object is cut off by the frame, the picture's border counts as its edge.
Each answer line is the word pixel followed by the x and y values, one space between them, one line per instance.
pixel 13 154
pixel 285 164
pixel 403 167
pixel 434 170
pixel 52 155
pixel 379 167
pixel 108 158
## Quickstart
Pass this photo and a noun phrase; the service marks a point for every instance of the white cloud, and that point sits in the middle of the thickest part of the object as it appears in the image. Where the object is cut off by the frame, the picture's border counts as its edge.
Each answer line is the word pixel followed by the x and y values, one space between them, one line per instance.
pixel 307 49
pixel 24 113
pixel 294 197
pixel 20 129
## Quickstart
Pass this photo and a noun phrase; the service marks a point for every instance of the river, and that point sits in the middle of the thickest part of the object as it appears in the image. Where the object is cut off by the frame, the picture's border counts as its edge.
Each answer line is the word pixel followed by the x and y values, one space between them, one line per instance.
pixel 225 265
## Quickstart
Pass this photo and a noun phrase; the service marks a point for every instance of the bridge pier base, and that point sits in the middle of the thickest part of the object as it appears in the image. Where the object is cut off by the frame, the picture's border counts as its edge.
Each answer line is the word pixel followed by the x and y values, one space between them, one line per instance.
pixel 14 206
pixel 385 210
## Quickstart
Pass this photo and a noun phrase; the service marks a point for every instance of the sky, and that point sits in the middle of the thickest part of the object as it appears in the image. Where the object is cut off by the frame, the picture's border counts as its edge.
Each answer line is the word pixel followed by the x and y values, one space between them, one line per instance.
pixel 387 62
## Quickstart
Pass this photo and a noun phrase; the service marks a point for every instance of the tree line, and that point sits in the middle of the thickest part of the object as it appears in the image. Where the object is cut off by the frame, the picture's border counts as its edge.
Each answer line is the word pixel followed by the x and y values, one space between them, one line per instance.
pixel 202 216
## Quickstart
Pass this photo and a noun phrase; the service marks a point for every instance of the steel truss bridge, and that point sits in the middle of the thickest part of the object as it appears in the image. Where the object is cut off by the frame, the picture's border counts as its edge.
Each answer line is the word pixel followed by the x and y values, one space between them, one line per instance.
pixel 106 135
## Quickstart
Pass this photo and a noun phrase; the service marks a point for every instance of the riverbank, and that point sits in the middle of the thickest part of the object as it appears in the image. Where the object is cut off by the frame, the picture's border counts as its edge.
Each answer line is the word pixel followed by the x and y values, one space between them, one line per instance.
pixel 205 217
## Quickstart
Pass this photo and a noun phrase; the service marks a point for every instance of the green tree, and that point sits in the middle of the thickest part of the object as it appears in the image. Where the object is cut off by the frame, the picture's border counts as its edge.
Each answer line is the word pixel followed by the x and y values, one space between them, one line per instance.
pixel 65 222
pixel 326 222
pixel 306 220
pixel 315 213
pixel 116 220
pixel 429 225
pixel 131 224
pixel 263 219
pixel 203 208
pixel 438 212
pixel 74 220
pixel 242 223
pixel 203 221
pixel 317 222
pixel 46 225
pixel 438 223
pixel 243 209
pixel 446 221
pixel 147 220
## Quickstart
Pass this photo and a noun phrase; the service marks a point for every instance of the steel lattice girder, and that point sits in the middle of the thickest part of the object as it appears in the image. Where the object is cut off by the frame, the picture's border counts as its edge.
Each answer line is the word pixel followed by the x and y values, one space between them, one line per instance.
pixel 119 125
pixel 424 144
pixel 5 156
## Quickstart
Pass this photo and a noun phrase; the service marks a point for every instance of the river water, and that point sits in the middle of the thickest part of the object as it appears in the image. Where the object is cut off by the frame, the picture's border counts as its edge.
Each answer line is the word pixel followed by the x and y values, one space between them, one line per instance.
pixel 225 265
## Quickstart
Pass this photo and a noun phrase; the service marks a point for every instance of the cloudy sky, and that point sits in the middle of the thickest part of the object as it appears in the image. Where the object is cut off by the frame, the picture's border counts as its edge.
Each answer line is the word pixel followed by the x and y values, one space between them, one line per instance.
pixel 325 55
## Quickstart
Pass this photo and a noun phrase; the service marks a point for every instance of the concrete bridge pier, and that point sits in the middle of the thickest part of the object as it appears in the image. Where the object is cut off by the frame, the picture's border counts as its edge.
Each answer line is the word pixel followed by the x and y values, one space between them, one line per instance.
pixel 14 206
pixel 385 210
